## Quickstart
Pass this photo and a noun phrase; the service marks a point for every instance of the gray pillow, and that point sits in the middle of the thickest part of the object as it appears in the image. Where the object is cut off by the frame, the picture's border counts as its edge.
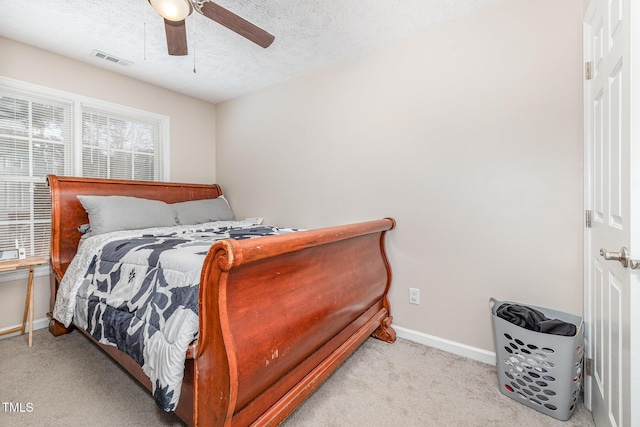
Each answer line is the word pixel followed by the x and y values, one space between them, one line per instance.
pixel 201 211
pixel 115 213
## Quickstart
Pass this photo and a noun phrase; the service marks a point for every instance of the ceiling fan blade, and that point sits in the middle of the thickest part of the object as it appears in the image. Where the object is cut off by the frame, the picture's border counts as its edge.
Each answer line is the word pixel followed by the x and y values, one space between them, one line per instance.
pixel 176 37
pixel 237 24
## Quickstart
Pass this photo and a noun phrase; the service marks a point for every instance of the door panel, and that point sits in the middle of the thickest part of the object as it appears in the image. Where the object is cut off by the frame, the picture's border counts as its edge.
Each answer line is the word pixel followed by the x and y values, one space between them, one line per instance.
pixel 615 17
pixel 598 158
pixel 598 328
pixel 616 394
pixel 616 151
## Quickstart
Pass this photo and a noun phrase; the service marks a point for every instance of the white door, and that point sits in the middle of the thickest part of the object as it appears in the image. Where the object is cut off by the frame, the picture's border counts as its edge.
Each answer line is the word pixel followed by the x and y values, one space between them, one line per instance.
pixel 612 157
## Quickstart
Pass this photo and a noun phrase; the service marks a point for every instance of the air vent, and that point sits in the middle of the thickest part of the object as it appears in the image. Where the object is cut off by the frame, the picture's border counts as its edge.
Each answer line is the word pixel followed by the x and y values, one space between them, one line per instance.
pixel 111 58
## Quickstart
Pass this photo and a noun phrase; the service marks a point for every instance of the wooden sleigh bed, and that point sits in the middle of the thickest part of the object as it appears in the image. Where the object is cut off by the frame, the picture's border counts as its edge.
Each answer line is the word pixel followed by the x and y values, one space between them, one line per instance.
pixel 277 314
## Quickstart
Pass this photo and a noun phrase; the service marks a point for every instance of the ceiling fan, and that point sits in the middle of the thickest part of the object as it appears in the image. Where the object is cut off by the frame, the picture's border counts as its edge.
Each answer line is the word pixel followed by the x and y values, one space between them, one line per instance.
pixel 175 12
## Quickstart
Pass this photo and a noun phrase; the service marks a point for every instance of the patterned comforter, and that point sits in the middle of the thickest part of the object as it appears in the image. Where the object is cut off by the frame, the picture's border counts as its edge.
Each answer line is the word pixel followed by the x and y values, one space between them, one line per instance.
pixel 138 290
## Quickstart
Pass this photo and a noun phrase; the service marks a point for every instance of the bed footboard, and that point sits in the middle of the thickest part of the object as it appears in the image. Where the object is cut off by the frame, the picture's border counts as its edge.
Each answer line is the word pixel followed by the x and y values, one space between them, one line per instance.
pixel 279 314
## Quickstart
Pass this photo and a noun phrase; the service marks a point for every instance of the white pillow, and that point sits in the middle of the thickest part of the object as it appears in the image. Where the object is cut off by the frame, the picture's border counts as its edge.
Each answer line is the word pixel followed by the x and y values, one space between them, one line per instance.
pixel 115 213
pixel 201 211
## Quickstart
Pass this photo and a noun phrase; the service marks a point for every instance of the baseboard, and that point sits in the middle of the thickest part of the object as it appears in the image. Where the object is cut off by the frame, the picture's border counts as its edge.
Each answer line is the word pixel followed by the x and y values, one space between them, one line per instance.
pixel 37 324
pixel 474 353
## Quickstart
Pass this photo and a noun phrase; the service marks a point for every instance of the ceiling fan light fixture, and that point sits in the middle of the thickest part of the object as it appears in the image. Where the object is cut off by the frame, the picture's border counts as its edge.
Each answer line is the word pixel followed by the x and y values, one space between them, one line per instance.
pixel 172 10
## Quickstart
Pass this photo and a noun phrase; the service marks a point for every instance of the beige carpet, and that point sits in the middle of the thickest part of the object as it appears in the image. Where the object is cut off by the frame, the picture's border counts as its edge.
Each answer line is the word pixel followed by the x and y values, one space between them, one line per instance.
pixel 67 381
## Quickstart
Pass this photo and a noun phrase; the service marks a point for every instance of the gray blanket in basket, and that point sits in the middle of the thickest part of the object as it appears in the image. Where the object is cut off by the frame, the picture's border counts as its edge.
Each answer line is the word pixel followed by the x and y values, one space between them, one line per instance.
pixel 534 320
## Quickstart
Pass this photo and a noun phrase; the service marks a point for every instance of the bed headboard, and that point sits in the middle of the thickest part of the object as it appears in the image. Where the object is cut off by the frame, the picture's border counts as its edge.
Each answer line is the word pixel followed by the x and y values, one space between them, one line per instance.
pixel 67 213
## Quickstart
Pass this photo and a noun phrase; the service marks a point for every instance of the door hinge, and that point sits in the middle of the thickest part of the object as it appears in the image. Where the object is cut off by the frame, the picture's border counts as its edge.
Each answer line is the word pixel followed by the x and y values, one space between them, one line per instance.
pixel 587 218
pixel 588 366
pixel 587 70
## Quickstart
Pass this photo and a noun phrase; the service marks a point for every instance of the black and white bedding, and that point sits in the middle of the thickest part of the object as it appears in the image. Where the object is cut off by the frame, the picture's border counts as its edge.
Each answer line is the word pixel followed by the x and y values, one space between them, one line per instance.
pixel 138 290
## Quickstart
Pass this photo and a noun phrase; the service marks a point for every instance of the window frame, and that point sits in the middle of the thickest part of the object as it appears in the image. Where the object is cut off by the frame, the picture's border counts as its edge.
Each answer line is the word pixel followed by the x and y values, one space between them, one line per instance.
pixel 78 104
pixel 107 107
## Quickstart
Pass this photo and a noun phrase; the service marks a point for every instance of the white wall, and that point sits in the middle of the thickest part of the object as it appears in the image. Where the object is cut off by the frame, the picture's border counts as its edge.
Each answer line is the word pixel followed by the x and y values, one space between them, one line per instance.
pixel 192 157
pixel 468 134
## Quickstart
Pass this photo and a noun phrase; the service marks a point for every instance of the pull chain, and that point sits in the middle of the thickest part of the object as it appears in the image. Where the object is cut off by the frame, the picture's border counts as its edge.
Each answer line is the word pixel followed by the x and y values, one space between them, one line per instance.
pixel 144 32
pixel 194 43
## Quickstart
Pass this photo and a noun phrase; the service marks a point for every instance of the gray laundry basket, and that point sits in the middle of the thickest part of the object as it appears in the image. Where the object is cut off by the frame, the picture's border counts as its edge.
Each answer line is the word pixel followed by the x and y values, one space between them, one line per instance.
pixel 542 371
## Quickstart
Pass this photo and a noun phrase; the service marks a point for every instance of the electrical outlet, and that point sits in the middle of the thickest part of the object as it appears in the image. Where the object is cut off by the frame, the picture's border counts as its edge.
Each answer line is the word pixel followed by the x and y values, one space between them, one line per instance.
pixel 414 296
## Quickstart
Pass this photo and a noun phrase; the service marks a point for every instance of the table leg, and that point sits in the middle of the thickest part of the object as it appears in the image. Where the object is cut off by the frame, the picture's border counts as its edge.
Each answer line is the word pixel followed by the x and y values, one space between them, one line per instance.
pixel 26 304
pixel 30 292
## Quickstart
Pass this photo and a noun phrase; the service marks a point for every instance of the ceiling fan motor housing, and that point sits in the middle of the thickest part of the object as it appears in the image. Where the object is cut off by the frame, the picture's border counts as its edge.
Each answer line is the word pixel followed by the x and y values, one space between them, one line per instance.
pixel 172 10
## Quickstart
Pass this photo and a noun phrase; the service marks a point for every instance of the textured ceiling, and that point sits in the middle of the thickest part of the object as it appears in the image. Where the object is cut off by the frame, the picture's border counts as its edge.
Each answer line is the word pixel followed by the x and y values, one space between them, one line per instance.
pixel 308 34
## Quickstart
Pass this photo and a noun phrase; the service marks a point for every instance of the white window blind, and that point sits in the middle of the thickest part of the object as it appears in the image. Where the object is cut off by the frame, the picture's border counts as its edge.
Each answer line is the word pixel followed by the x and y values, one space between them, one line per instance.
pixel 48 132
pixel 35 140
pixel 120 146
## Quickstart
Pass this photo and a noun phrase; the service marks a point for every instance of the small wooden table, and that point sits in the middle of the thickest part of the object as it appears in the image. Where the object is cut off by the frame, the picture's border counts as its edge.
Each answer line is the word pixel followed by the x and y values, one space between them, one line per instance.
pixel 29 262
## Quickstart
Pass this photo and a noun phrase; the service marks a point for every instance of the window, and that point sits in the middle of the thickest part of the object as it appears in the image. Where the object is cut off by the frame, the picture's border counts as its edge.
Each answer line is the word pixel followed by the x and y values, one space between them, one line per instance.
pixel 35 140
pixel 43 133
pixel 118 146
